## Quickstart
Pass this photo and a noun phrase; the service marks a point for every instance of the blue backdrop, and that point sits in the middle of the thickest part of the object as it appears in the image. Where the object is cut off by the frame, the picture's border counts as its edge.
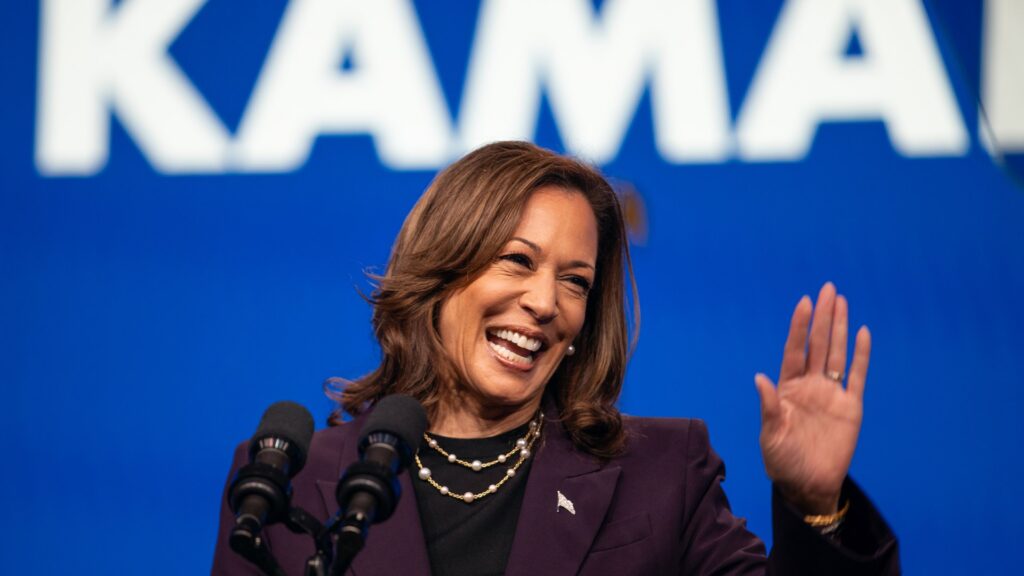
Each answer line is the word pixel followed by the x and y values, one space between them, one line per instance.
pixel 176 256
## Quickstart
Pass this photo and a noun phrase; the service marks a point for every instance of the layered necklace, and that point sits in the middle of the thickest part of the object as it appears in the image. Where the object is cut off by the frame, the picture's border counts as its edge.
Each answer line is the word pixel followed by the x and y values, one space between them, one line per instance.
pixel 523 449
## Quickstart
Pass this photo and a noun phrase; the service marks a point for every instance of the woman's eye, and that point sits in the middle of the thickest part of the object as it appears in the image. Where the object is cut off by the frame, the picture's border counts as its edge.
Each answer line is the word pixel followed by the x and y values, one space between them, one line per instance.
pixel 518 258
pixel 581 282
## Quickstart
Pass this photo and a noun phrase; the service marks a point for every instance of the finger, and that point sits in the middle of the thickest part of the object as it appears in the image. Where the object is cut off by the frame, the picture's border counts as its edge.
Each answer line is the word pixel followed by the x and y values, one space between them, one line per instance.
pixel 794 359
pixel 859 366
pixel 837 343
pixel 769 399
pixel 821 329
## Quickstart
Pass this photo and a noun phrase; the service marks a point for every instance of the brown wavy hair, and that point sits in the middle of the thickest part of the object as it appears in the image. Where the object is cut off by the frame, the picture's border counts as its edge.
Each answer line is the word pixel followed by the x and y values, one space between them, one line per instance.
pixel 452 235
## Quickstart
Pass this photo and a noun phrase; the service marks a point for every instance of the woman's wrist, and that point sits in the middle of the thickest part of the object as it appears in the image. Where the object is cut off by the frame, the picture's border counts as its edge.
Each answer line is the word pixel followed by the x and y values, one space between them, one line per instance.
pixel 811 504
pixel 828 524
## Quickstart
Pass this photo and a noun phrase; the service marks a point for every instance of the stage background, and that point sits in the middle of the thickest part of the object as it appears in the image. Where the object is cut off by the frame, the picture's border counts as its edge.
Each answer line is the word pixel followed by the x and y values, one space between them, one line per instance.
pixel 168 273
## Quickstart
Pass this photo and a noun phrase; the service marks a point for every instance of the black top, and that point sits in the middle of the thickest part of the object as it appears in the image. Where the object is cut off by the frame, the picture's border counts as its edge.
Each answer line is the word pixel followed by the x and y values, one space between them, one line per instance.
pixel 470 539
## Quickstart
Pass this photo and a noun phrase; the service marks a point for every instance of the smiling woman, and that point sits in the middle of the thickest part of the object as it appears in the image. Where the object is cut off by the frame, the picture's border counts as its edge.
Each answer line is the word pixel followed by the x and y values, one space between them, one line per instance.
pixel 509 330
pixel 512 238
pixel 503 311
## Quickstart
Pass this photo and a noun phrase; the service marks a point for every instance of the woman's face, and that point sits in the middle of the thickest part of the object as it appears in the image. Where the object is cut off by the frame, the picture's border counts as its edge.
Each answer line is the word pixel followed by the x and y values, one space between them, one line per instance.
pixel 508 330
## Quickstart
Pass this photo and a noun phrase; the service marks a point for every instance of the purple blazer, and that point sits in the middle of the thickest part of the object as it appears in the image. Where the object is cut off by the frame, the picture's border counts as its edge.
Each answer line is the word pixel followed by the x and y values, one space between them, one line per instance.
pixel 657 509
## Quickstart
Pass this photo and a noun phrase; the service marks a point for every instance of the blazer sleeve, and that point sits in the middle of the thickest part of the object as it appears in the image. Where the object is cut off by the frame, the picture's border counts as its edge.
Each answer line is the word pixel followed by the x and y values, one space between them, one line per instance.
pixel 866 544
pixel 225 561
pixel 717 542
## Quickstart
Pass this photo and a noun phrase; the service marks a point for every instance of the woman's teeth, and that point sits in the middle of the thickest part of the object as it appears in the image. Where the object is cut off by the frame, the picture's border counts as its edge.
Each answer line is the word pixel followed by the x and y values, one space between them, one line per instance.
pixel 519 340
pixel 510 355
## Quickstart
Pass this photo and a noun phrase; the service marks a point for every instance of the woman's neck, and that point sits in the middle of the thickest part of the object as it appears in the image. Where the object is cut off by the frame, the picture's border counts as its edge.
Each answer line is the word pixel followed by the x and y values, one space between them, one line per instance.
pixel 470 421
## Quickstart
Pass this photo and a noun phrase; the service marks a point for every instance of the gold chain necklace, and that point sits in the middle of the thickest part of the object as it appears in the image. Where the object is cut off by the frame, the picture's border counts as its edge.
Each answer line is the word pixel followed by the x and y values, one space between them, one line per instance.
pixel 524 447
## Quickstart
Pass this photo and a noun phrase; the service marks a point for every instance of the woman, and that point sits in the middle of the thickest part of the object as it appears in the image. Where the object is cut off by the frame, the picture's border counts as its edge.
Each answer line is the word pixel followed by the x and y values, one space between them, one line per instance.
pixel 503 310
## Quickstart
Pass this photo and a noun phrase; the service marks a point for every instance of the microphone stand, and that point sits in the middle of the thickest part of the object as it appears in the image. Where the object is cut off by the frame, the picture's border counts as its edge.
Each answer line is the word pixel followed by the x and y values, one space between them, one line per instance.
pixel 251 547
pixel 301 522
pixel 351 529
pixel 254 549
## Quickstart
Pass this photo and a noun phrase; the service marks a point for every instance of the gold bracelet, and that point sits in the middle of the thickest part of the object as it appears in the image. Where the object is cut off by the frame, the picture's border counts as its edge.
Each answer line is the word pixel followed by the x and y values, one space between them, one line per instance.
pixel 817 520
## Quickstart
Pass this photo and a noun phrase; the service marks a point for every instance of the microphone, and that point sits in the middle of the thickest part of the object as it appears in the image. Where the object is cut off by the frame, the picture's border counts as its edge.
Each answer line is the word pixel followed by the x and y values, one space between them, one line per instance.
pixel 261 491
pixel 369 491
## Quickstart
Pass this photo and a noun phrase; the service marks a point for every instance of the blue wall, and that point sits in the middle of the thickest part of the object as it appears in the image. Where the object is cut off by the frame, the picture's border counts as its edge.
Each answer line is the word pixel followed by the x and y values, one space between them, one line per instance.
pixel 149 314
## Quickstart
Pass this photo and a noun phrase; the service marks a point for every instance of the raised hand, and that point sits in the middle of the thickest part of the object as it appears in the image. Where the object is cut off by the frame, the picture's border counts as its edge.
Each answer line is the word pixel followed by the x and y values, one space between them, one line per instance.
pixel 809 422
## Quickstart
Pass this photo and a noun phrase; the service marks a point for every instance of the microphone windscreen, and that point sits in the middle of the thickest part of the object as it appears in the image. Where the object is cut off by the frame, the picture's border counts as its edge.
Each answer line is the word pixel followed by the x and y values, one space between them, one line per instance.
pixel 400 415
pixel 289 421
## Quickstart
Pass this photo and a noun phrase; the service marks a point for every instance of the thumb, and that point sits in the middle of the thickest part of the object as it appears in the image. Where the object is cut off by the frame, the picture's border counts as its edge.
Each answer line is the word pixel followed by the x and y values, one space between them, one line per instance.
pixel 769 399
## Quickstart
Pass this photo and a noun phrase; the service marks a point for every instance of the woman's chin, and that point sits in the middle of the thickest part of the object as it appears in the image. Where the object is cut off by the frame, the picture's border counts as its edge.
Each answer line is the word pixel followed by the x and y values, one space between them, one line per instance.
pixel 507 391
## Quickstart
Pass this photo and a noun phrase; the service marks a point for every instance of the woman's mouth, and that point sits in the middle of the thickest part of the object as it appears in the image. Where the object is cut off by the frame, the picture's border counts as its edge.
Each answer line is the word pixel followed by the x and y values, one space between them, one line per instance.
pixel 513 347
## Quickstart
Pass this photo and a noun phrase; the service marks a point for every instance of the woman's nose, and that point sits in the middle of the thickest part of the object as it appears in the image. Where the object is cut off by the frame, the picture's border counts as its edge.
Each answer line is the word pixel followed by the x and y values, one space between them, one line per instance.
pixel 540 298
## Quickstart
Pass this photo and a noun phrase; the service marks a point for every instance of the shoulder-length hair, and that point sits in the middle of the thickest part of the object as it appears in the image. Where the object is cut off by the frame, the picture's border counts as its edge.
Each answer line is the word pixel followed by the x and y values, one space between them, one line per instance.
pixel 452 235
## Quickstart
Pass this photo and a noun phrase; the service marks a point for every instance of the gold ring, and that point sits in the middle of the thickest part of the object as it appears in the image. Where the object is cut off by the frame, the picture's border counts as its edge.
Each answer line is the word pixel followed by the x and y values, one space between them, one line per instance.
pixel 835 375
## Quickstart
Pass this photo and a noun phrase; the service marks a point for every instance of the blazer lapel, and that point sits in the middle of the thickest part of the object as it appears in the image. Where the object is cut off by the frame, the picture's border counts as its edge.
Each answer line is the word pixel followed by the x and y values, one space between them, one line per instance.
pixel 395 546
pixel 550 539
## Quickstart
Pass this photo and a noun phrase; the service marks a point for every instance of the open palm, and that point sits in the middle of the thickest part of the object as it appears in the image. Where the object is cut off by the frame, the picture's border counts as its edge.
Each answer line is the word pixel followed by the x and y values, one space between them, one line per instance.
pixel 809 422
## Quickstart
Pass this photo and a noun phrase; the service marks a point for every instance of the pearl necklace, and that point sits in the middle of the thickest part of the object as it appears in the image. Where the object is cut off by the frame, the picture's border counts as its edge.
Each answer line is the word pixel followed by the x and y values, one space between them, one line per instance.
pixel 523 446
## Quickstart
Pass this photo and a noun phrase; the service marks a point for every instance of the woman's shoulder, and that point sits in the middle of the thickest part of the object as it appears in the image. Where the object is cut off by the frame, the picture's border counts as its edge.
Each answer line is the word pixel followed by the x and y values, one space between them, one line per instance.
pixel 645 426
pixel 329 446
pixel 662 453
pixel 336 434
pixel 656 438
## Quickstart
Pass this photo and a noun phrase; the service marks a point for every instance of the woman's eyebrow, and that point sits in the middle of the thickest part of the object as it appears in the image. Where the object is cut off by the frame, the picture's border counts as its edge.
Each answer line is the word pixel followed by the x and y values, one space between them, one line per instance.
pixel 580 264
pixel 533 246
pixel 536 249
